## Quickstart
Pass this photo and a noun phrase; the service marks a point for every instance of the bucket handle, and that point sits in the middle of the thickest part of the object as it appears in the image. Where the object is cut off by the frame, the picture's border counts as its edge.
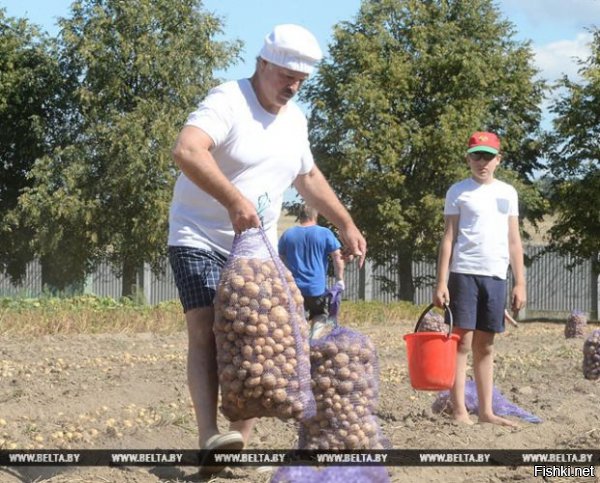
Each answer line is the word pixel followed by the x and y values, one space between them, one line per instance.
pixel 446 309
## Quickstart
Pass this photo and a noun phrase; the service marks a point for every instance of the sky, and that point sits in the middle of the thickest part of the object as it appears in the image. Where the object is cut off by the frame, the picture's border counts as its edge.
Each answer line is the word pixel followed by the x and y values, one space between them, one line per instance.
pixel 556 28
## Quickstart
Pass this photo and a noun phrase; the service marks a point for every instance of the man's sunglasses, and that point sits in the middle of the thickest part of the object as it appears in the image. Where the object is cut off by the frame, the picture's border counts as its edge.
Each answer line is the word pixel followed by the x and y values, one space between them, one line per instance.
pixel 477 155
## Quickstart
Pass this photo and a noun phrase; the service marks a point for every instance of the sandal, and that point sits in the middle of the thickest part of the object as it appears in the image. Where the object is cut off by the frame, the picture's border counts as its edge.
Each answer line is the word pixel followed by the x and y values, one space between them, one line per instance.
pixel 231 440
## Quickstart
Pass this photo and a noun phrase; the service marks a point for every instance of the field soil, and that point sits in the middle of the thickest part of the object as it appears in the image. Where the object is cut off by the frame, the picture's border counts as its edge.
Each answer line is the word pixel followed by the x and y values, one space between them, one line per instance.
pixel 129 391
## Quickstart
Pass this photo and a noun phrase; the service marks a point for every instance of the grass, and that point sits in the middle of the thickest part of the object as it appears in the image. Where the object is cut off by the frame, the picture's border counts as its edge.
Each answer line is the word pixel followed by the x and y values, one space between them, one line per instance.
pixel 86 315
pixel 89 314
pixel 359 314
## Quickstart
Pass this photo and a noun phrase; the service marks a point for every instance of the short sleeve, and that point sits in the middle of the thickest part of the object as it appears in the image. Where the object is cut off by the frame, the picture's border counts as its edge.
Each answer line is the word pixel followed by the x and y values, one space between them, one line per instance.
pixel 281 243
pixel 451 204
pixel 307 160
pixel 333 243
pixel 213 115
pixel 513 205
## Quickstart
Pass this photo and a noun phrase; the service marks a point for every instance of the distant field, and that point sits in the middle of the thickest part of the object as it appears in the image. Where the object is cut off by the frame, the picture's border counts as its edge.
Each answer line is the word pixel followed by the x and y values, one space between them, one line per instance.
pixel 91 373
pixel 88 314
pixel 285 222
pixel 538 236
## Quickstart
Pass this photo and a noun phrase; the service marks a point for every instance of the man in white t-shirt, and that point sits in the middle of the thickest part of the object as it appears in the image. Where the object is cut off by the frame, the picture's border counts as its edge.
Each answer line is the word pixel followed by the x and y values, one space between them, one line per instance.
pixel 239 151
pixel 481 238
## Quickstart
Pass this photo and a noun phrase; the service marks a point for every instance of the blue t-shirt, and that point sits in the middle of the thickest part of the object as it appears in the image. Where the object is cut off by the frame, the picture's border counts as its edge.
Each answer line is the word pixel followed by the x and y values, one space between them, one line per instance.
pixel 305 250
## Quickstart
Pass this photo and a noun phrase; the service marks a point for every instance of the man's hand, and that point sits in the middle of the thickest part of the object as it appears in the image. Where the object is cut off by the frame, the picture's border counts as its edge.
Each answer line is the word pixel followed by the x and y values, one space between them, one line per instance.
pixel 341 284
pixel 243 215
pixel 354 245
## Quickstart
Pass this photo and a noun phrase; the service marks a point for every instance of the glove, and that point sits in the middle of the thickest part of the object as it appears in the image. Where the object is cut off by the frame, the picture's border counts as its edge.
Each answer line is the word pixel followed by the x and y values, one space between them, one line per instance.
pixel 341 284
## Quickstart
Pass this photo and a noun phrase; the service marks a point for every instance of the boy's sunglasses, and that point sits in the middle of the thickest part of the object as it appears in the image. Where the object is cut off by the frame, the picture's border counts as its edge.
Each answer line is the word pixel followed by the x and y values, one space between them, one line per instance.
pixel 477 155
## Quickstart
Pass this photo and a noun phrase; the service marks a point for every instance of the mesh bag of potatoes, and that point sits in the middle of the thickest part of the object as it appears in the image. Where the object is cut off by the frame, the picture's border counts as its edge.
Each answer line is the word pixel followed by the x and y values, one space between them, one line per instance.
pixel 576 324
pixel 345 382
pixel 433 322
pixel 261 335
pixel 331 474
pixel 591 356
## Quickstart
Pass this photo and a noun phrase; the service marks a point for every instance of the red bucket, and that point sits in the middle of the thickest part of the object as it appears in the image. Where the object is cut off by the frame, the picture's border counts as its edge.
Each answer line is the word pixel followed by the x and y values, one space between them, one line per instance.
pixel 432 356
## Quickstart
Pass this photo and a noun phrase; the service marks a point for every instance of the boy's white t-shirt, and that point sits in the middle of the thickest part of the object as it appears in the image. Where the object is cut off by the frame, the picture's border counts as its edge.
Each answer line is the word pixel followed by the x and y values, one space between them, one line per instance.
pixel 259 152
pixel 481 246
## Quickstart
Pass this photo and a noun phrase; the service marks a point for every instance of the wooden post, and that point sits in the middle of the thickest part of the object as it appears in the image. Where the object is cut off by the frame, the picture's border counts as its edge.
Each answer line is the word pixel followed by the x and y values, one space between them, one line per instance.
pixel 365 281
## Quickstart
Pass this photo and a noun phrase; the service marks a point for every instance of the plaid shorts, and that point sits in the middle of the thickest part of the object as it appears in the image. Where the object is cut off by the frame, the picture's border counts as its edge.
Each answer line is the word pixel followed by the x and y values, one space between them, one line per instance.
pixel 197 274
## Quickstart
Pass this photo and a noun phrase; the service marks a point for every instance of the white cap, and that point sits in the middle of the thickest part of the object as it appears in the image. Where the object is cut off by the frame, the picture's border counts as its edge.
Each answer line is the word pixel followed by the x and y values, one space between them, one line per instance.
pixel 292 47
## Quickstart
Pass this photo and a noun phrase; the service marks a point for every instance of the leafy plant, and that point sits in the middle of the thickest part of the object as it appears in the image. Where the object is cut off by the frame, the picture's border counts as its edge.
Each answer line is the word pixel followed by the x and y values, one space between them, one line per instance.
pixel 394 103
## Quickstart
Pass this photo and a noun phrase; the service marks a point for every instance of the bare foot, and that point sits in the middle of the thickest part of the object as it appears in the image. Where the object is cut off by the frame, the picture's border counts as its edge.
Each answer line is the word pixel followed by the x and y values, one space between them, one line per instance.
pixel 463 418
pixel 493 419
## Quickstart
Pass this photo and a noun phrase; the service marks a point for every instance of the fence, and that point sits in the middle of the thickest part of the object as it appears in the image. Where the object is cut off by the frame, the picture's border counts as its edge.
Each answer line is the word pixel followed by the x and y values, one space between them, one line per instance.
pixel 553 290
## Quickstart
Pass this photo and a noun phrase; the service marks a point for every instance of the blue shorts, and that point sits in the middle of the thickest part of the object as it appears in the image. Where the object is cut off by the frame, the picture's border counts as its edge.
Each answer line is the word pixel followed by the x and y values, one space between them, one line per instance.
pixel 477 301
pixel 197 274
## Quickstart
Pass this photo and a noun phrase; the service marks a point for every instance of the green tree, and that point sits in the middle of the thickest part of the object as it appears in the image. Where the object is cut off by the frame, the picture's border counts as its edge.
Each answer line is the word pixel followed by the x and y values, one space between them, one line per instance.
pixel 141 67
pixel 394 103
pixel 574 153
pixel 32 116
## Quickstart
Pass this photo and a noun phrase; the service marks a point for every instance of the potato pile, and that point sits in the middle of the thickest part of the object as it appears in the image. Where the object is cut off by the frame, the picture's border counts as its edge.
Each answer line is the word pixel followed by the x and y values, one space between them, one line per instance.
pixel 262 342
pixel 433 322
pixel 591 356
pixel 345 384
pixel 575 326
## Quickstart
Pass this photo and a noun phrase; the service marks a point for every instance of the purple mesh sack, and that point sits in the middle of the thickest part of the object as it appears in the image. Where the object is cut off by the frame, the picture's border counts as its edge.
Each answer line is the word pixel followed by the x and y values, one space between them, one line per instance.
pixel 331 474
pixel 576 324
pixel 433 322
pixel 261 335
pixel 335 300
pixel 345 382
pixel 591 356
pixel 500 405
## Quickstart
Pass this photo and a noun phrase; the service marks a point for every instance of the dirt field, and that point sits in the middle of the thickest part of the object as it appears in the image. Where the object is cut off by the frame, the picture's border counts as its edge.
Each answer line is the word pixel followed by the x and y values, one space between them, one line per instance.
pixel 129 391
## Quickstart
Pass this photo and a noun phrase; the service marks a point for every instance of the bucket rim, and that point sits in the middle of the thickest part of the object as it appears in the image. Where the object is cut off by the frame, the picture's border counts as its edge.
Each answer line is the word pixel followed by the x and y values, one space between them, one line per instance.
pixel 432 333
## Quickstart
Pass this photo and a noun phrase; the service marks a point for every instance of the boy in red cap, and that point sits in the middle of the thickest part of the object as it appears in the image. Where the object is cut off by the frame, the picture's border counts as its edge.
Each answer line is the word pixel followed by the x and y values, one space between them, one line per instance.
pixel 481 238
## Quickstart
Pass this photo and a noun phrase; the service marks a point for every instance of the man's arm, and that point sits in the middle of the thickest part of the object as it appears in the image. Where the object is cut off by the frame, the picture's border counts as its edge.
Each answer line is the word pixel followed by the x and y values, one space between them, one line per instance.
pixel 317 192
pixel 338 266
pixel 192 154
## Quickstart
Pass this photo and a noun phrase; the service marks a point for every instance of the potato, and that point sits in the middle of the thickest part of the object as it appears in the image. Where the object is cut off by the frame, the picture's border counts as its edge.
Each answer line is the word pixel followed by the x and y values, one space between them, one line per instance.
pixel 237 282
pixel 268 381
pixel 251 290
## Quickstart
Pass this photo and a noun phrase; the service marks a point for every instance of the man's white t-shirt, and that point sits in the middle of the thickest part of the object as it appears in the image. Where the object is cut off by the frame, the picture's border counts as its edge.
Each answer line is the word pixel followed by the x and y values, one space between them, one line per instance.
pixel 481 246
pixel 259 152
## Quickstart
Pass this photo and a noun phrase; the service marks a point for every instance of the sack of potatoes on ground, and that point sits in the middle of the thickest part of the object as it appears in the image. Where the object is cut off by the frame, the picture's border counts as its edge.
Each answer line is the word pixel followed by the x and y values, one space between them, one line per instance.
pixel 261 335
pixel 576 325
pixel 345 382
pixel 331 474
pixel 591 356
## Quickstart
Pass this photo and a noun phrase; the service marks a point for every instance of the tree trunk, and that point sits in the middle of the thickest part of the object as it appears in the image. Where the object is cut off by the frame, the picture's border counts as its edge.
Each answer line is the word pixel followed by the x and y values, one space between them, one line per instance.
pixel 595 282
pixel 60 279
pixel 130 285
pixel 407 288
